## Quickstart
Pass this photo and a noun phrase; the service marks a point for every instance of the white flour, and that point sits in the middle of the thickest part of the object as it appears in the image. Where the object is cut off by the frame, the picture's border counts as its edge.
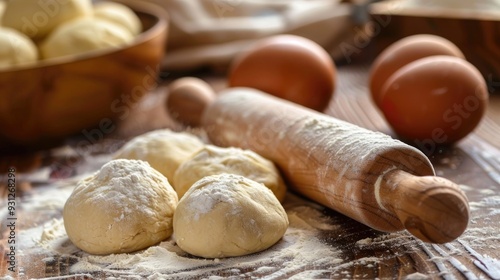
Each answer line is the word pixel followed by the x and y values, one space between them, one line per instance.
pixel 204 200
pixel 301 254
pixel 300 247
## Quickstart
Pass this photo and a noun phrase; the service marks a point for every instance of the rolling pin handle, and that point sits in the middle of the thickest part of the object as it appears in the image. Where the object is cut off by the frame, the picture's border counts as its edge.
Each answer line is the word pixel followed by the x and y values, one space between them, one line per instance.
pixel 187 99
pixel 431 208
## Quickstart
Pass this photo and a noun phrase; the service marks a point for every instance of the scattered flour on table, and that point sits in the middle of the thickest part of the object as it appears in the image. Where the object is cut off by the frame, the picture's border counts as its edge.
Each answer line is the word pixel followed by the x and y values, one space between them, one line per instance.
pixel 417 276
pixel 364 242
pixel 297 256
pixel 486 212
pixel 300 248
pixel 48 199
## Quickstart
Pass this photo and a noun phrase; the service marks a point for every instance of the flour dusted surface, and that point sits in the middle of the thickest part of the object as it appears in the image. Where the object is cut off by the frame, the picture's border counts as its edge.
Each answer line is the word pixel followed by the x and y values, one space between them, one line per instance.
pixel 299 248
pixel 308 250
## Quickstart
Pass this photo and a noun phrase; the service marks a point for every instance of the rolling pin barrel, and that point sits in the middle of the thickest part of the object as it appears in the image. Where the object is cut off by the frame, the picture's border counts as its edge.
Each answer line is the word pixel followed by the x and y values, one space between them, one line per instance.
pixel 366 175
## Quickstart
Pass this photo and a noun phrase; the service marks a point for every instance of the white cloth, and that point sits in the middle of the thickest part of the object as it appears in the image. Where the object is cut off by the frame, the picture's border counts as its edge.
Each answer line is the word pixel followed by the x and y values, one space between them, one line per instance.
pixel 211 32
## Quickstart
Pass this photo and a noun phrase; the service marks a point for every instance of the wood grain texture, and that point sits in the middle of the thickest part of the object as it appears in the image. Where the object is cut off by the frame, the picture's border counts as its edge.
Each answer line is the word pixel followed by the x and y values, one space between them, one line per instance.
pixel 431 208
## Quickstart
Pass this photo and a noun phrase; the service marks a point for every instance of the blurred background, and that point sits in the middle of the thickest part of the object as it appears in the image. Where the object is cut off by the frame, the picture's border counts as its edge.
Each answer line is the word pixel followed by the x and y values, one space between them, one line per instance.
pixel 68 100
pixel 209 33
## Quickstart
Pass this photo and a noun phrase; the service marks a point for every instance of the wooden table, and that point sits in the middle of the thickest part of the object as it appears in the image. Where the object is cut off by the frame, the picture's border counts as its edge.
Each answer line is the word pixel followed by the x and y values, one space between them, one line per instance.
pixel 362 253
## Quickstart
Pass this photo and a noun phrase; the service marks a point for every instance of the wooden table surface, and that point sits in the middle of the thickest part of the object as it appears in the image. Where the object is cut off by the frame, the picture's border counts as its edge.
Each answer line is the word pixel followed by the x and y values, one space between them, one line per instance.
pixel 363 253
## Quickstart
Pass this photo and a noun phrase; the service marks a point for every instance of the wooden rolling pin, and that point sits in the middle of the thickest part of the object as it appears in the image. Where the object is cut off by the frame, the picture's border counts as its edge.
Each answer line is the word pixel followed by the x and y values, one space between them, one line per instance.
pixel 365 175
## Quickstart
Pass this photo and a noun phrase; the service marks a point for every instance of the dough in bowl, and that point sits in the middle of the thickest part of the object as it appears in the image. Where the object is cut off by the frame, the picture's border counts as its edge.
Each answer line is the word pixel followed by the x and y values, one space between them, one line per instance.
pixel 16 48
pixel 213 160
pixel 37 18
pixel 164 149
pixel 119 14
pixel 84 35
pixel 2 9
pixel 228 215
pixel 125 206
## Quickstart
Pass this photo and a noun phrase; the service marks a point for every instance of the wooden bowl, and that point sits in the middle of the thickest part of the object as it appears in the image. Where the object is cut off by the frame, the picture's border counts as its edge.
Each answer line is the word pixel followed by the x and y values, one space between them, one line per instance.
pixel 55 98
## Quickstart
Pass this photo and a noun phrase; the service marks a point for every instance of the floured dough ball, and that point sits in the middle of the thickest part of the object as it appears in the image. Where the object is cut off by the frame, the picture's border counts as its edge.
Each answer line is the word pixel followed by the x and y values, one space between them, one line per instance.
pixel 228 215
pixel 119 14
pixel 164 149
pixel 212 160
pixel 124 207
pixel 84 35
pixel 16 48
pixel 37 18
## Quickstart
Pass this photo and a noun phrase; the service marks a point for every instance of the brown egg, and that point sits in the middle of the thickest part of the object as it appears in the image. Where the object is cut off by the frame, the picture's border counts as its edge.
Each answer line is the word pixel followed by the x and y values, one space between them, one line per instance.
pixel 289 67
pixel 187 98
pixel 434 100
pixel 403 52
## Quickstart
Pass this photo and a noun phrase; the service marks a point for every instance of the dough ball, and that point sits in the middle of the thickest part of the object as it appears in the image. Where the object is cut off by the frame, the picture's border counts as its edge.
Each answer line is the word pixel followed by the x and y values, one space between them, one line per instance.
pixel 123 207
pixel 164 149
pixel 228 215
pixel 16 48
pixel 37 18
pixel 212 160
pixel 119 14
pixel 84 35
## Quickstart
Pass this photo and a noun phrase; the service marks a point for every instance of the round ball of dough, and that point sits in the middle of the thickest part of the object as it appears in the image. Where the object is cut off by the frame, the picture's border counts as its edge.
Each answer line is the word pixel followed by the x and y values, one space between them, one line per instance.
pixel 164 149
pixel 212 160
pixel 37 18
pixel 16 48
pixel 123 207
pixel 119 14
pixel 84 35
pixel 228 215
